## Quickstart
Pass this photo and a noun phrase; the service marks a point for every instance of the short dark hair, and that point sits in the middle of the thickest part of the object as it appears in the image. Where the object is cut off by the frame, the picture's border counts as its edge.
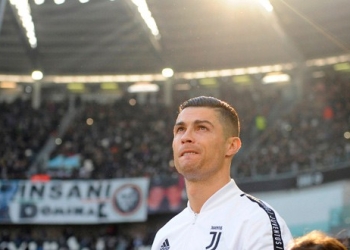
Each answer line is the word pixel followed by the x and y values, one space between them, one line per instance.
pixel 316 240
pixel 227 113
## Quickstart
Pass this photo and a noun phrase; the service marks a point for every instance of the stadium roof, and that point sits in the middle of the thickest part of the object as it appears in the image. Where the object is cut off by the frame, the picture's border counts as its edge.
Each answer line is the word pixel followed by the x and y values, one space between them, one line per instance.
pixel 111 37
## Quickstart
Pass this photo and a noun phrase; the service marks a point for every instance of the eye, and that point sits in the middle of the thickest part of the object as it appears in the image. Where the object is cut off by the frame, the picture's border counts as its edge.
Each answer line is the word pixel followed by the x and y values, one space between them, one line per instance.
pixel 179 129
pixel 202 128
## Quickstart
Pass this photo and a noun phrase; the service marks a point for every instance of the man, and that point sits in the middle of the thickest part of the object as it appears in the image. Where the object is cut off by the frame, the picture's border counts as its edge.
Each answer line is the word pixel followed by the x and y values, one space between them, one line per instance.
pixel 218 215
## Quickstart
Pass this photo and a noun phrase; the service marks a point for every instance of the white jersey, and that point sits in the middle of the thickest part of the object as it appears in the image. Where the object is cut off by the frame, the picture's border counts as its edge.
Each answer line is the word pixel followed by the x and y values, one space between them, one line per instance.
pixel 228 220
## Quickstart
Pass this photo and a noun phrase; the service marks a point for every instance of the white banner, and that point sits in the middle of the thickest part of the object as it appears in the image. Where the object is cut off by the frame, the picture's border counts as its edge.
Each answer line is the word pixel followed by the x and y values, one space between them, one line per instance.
pixel 74 202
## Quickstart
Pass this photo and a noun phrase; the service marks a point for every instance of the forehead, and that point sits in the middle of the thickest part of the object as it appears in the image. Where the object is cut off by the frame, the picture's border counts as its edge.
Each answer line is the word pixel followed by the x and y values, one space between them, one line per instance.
pixel 197 113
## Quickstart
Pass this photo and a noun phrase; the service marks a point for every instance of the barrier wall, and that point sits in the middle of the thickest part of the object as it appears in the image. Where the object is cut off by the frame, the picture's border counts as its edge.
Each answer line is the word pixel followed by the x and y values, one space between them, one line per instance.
pixel 312 208
pixel 74 202
pixel 315 200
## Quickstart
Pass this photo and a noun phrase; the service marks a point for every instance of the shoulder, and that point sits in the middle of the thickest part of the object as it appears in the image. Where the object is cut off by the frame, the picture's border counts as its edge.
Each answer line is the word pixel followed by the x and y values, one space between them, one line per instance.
pixel 252 223
pixel 265 222
pixel 178 221
pixel 254 209
pixel 171 229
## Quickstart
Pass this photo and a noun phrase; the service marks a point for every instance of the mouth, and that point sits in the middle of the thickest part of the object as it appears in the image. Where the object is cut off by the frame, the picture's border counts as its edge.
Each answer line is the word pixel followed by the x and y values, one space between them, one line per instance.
pixel 188 153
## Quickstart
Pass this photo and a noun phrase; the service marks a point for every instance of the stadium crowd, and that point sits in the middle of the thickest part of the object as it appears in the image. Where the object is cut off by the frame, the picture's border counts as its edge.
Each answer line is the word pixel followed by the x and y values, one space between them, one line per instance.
pixel 311 136
pixel 127 139
pixel 73 238
pixel 117 140
pixel 23 132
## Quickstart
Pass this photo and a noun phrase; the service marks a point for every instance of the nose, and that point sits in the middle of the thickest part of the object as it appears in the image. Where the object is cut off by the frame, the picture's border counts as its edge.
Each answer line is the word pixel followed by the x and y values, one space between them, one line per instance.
pixel 187 136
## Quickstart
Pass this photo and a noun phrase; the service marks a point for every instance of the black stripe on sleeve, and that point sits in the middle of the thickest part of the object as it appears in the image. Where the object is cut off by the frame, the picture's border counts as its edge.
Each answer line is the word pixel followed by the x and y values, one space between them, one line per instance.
pixel 276 230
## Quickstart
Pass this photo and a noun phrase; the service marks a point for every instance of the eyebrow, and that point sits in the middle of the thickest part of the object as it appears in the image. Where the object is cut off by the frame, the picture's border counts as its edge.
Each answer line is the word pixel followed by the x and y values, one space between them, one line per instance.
pixel 196 122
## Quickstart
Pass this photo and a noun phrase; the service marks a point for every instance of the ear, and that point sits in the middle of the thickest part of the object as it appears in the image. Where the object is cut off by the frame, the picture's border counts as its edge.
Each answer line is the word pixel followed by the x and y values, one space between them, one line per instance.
pixel 233 146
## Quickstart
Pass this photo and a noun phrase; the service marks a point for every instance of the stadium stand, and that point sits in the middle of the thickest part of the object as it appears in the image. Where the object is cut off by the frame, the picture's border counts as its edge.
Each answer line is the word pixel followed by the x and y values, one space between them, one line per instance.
pixel 118 140
pixel 130 141
pixel 309 137
pixel 20 144
pixel 59 237
pixel 121 141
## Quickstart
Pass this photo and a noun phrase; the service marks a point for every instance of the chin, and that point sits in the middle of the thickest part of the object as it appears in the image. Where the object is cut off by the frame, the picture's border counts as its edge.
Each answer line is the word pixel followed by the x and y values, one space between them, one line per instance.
pixel 191 175
pixel 192 178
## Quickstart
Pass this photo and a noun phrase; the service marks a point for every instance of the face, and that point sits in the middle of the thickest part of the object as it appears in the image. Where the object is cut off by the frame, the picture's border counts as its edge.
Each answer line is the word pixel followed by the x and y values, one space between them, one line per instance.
pixel 201 150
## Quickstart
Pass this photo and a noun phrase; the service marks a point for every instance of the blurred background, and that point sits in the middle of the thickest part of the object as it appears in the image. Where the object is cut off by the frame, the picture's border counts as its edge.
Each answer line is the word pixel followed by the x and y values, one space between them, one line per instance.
pixel 89 91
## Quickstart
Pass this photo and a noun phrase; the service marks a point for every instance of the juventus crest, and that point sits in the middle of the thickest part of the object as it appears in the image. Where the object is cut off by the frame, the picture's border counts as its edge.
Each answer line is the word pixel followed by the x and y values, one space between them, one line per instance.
pixel 214 241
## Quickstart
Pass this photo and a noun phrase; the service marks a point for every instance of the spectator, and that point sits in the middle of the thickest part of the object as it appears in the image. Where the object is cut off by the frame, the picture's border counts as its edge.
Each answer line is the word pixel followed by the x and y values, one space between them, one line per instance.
pixel 316 240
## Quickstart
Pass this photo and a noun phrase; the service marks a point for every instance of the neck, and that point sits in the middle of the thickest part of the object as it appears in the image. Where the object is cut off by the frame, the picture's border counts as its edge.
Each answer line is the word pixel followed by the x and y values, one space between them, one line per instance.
pixel 199 192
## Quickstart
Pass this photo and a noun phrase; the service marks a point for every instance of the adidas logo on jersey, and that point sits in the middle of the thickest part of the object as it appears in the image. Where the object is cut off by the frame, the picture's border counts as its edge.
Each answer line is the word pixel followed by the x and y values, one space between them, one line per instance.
pixel 165 246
